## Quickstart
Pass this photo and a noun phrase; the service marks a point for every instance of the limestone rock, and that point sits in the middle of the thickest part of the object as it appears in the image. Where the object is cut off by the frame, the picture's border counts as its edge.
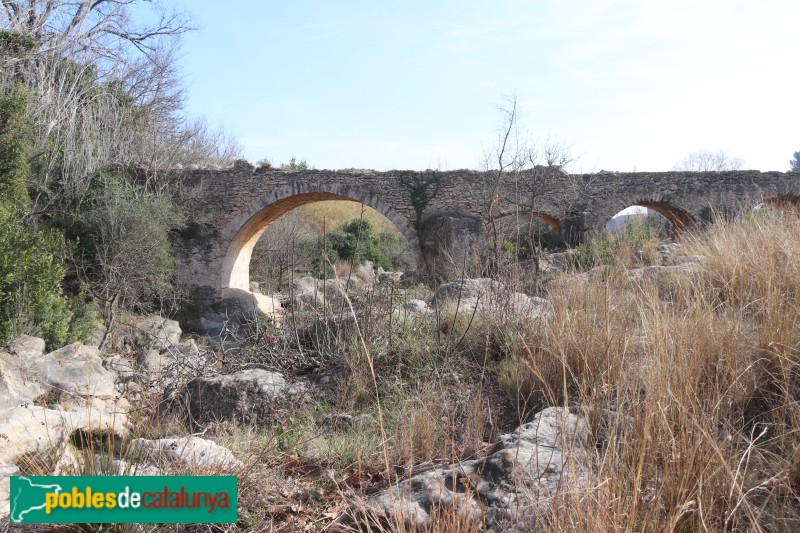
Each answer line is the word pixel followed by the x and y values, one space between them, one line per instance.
pixel 249 396
pixel 484 295
pixel 664 273
pixel 124 368
pixel 366 272
pixel 508 489
pixel 26 347
pixel 153 361
pixel 311 293
pixel 17 387
pixel 34 430
pixel 557 261
pixel 416 308
pixel 157 332
pixel 176 364
pixel 74 375
pixel 6 471
pixel 389 278
pixel 108 466
pixel 187 452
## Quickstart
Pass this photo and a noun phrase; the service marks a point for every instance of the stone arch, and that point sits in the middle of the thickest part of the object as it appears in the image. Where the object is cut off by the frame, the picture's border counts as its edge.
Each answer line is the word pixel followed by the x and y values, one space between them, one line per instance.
pixel 241 234
pixel 677 217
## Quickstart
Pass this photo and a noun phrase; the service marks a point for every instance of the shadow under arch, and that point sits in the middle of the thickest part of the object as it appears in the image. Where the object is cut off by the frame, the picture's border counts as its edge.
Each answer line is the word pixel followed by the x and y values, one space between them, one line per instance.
pixel 243 234
pixel 554 223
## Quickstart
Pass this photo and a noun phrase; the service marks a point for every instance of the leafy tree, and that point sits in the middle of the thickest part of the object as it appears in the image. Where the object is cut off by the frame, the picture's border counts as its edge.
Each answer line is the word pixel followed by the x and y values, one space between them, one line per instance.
pixel 32 266
pixel 795 162
pixel 125 252
pixel 14 146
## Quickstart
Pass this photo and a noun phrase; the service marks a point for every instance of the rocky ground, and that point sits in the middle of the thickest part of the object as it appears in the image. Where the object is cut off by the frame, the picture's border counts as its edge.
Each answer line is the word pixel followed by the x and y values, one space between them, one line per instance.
pixel 394 408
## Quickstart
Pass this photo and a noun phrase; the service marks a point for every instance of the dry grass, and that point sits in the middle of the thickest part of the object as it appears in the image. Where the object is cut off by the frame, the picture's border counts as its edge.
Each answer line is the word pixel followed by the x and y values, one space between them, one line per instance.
pixel 704 433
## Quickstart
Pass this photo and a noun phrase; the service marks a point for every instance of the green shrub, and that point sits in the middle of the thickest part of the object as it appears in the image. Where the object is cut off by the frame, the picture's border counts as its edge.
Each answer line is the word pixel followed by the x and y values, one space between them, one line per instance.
pixel 32 270
pixel 623 247
pixel 357 242
pixel 14 145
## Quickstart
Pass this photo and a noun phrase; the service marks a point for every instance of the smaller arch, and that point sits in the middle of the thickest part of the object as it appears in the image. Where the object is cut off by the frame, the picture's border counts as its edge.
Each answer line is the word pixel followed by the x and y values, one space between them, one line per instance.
pixel 677 217
pixel 788 203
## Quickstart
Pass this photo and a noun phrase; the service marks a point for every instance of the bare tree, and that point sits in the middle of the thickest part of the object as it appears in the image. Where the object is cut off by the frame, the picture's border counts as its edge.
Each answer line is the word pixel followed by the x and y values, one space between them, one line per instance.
pixel 516 159
pixel 101 31
pixel 103 91
pixel 708 161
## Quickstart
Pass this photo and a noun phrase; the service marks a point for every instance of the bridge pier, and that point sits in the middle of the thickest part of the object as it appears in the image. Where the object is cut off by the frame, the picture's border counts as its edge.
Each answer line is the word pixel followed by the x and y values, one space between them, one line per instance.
pixel 447 240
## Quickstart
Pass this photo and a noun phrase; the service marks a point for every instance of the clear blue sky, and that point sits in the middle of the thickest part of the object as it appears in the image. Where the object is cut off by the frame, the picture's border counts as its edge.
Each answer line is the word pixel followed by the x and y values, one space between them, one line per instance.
pixel 385 84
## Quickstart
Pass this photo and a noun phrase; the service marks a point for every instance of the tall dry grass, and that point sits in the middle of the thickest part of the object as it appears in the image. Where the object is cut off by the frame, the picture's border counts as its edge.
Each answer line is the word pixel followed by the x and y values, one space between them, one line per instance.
pixel 701 433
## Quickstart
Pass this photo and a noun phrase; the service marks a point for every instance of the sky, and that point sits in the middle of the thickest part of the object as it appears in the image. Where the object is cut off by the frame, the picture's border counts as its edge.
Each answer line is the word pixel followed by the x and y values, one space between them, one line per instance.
pixel 416 84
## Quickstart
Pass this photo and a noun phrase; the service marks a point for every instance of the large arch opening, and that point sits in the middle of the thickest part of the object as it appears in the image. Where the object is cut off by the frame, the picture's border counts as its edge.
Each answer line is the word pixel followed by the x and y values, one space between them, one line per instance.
pixel 236 264
pixel 317 239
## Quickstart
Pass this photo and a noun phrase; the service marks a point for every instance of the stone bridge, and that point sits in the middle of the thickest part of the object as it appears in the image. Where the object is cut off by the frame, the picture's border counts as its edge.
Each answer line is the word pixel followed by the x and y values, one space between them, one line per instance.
pixel 229 209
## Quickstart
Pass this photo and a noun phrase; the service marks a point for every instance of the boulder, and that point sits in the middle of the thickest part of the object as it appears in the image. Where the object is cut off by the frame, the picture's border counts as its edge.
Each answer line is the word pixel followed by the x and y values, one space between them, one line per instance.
pixel 26 347
pixel 557 261
pixel 6 471
pixel 17 386
pixel 34 430
pixel 509 489
pixel 124 368
pixel 133 332
pixel 176 364
pixel 484 295
pixel 389 278
pixel 154 362
pixel 185 453
pixel 75 377
pixel 416 308
pixel 366 272
pixel 157 332
pixel 312 293
pixel 253 396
